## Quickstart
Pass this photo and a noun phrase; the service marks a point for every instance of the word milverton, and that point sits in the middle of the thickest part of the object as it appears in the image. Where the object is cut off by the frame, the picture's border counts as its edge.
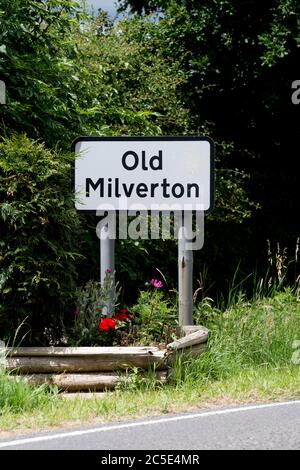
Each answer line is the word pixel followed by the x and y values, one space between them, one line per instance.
pixel 113 188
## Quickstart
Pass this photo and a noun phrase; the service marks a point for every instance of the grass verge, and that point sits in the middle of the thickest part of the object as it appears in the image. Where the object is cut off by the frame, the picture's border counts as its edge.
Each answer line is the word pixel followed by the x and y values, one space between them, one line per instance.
pixel 249 359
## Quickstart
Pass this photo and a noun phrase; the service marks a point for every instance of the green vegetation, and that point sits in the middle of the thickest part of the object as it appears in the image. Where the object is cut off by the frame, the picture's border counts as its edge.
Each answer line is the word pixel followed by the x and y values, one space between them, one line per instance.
pixel 239 60
pixel 257 334
pixel 222 69
pixel 40 240
pixel 152 319
pixel 90 301
pixel 156 317
pixel 249 359
pixel 16 397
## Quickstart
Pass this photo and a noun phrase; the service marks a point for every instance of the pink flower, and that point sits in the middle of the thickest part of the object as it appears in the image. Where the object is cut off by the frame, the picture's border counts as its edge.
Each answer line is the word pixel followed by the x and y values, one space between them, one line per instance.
pixel 76 312
pixel 156 283
pixel 108 271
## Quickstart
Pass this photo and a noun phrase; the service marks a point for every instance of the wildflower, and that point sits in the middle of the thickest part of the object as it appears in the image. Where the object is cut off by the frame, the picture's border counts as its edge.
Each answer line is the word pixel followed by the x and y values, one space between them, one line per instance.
pixel 107 324
pixel 122 315
pixel 76 312
pixel 108 271
pixel 156 283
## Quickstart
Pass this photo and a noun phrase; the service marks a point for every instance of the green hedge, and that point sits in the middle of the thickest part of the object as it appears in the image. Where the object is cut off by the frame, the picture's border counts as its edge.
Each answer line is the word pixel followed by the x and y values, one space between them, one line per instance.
pixel 40 235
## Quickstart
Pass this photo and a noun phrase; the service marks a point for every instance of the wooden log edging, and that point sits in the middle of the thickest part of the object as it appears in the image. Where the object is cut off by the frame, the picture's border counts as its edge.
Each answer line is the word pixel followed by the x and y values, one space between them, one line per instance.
pixel 197 337
pixel 60 360
pixel 99 368
pixel 192 345
pixel 77 351
pixel 88 382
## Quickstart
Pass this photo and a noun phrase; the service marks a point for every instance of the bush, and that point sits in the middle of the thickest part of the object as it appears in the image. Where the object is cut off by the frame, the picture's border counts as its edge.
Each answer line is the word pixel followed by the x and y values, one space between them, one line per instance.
pixel 91 307
pixel 155 317
pixel 40 238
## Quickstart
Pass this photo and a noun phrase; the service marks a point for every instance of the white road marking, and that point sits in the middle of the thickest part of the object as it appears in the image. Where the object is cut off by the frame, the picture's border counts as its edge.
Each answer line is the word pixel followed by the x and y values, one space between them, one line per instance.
pixel 115 427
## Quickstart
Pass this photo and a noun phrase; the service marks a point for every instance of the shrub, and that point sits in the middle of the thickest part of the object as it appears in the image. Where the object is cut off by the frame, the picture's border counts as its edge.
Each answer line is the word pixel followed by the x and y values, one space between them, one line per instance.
pixel 40 238
pixel 91 303
pixel 155 317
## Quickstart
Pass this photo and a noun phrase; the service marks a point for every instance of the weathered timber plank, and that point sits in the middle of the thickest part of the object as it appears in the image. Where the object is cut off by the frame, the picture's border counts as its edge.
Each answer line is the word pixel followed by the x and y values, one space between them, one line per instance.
pixel 75 382
pixel 83 382
pixel 192 339
pixel 101 362
pixel 80 351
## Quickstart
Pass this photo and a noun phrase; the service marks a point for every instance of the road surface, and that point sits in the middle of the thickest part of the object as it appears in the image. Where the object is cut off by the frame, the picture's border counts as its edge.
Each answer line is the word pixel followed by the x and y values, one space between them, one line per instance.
pixel 269 426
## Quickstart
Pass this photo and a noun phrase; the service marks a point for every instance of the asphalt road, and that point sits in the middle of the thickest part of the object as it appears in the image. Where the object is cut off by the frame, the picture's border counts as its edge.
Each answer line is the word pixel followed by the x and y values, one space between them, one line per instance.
pixel 270 426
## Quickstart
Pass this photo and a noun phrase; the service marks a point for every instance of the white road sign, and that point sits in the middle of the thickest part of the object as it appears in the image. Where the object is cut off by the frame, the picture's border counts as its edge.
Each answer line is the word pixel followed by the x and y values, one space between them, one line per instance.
pixel 144 173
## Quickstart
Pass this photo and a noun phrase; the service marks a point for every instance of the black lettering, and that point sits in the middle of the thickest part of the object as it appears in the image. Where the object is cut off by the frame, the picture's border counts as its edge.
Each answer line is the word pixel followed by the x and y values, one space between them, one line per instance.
pixel 165 185
pixel 141 190
pixel 158 160
pixel 128 190
pixel 109 187
pixel 117 192
pixel 177 185
pixel 153 186
pixel 136 160
pixel 89 182
pixel 144 167
pixel 189 189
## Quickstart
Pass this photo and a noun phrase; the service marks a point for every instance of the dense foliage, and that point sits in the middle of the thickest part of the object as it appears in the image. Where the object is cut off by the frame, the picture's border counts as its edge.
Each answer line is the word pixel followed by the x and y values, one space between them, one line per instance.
pixel 240 59
pixel 220 68
pixel 40 64
pixel 40 240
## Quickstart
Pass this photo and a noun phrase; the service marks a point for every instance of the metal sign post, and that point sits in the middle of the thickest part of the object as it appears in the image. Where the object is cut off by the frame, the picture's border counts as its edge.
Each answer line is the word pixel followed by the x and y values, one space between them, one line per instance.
pixel 107 263
pixel 185 283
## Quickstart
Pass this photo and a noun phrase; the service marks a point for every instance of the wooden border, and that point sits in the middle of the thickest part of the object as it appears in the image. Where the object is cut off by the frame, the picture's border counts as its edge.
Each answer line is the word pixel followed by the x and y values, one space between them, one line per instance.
pixel 99 368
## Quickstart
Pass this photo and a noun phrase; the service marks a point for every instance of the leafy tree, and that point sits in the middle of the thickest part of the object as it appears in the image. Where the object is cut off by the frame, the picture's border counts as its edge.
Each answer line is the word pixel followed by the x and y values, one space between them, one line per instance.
pixel 40 240
pixel 240 58
pixel 39 62
pixel 142 86
pixel 69 74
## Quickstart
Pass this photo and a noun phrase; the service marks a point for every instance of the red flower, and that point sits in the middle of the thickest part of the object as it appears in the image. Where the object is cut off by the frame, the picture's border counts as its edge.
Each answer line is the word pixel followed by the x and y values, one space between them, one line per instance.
pixel 122 315
pixel 107 324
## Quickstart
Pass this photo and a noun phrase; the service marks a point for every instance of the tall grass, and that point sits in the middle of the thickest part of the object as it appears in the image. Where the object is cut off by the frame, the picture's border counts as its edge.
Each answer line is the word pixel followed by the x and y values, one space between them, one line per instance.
pixel 250 335
pixel 16 396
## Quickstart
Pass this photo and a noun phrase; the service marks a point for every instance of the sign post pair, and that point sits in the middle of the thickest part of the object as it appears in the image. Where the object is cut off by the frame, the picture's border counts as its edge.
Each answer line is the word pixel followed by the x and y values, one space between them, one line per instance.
pixel 168 176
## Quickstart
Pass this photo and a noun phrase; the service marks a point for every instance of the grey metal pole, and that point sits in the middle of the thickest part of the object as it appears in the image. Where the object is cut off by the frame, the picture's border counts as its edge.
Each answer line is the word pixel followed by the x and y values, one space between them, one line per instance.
pixel 185 279
pixel 107 263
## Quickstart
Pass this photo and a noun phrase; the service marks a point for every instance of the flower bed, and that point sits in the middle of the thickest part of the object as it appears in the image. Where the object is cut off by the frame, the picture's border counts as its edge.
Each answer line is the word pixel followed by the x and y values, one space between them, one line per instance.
pixel 99 368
